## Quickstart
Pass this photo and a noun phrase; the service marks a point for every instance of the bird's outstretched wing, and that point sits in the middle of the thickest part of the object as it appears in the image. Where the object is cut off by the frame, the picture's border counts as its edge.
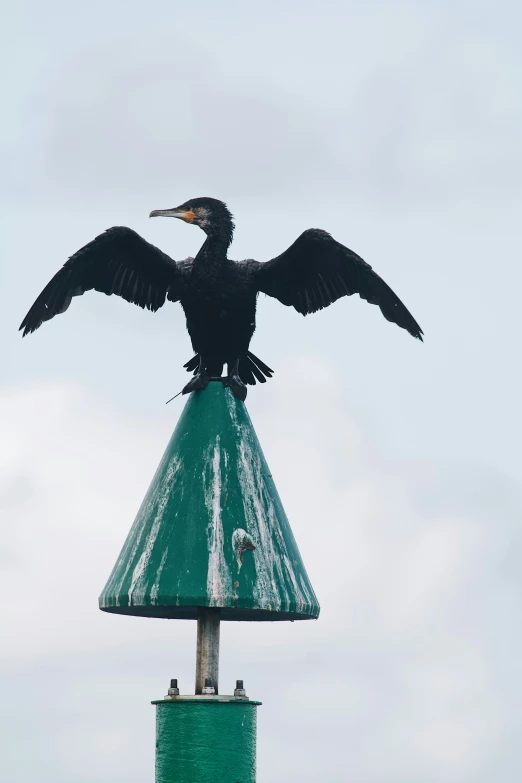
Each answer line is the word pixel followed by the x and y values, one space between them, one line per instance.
pixel 118 261
pixel 316 271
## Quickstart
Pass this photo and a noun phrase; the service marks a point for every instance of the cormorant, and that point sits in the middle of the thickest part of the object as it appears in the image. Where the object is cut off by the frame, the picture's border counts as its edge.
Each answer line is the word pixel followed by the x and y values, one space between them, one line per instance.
pixel 217 294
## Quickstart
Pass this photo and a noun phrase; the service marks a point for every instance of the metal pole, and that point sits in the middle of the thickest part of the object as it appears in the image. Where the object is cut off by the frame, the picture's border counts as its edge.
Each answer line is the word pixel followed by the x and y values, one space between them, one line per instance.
pixel 207 654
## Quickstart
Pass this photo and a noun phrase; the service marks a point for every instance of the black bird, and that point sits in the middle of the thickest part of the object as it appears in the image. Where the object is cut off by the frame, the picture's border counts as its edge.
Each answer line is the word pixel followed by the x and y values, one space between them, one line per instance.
pixel 217 294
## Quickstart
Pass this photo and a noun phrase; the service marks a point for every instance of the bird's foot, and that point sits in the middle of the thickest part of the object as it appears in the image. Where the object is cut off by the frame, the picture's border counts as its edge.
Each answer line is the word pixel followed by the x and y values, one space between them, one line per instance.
pixel 235 383
pixel 199 381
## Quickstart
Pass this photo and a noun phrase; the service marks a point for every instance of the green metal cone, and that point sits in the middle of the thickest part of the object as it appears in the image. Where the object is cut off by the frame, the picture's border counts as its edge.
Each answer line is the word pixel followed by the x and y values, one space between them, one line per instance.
pixel 212 530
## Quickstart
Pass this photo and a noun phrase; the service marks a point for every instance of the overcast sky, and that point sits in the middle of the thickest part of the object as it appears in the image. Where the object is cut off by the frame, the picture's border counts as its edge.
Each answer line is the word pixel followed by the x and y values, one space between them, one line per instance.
pixel 395 126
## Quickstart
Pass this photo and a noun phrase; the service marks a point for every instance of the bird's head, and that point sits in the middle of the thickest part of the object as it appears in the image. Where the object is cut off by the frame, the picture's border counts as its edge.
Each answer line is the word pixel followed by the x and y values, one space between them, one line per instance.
pixel 209 214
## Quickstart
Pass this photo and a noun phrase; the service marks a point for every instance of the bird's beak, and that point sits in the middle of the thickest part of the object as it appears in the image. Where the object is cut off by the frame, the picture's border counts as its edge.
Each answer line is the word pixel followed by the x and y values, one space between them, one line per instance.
pixel 183 214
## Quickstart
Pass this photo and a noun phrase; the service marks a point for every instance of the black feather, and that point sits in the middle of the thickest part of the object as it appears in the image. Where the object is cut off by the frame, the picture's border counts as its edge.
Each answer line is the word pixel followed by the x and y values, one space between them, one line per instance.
pixel 108 264
pixel 316 270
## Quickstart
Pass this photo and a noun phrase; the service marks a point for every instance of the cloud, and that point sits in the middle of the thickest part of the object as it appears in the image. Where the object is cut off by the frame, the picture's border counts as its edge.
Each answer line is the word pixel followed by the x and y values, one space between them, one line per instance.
pixel 403 671
pixel 355 103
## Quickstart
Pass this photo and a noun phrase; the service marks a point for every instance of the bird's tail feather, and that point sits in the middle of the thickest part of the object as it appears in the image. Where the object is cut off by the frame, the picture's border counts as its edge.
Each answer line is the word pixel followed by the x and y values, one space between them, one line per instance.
pixel 250 368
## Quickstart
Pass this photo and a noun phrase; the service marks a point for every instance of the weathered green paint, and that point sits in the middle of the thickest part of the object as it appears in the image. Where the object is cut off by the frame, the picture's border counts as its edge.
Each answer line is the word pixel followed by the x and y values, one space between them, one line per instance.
pixel 212 530
pixel 203 741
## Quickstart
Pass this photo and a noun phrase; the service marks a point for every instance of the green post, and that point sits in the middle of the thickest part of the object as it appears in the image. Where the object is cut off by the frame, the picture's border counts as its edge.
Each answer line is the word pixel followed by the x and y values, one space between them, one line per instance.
pixel 204 740
pixel 211 542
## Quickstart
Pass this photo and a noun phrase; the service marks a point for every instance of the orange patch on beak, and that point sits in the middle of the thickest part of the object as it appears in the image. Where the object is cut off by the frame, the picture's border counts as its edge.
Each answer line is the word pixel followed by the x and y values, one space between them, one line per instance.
pixel 189 216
